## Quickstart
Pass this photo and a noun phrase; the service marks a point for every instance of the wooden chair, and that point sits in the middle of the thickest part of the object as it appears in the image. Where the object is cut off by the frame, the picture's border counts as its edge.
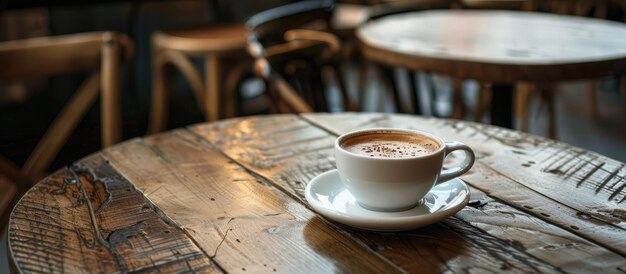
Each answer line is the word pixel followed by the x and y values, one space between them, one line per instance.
pixel 21 60
pixel 223 49
pixel 290 50
pixel 348 15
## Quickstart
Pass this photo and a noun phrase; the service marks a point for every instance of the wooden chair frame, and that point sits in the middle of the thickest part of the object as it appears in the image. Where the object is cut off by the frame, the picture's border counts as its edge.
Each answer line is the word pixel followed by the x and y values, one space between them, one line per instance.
pixel 280 34
pixel 169 50
pixel 101 52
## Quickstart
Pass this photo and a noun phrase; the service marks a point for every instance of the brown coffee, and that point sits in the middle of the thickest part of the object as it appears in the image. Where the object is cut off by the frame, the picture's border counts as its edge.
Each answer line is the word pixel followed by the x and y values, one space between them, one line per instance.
pixel 396 145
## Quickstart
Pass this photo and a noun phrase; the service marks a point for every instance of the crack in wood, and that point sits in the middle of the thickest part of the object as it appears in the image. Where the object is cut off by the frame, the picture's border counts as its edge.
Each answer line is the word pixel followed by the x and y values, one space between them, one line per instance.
pixel 619 179
pixel 554 156
pixel 548 220
pixel 250 171
pixel 565 162
pixel 157 152
pixel 607 179
pixel 95 179
pixel 75 170
pixel 293 142
pixel 217 248
pixel 618 190
pixel 121 235
pixel 596 168
pixel 496 247
pixel 575 168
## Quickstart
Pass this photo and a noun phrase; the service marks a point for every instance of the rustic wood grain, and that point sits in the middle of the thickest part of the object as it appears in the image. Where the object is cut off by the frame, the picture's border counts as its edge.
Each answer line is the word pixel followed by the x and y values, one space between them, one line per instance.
pixel 88 218
pixel 241 221
pixel 581 191
pixel 228 196
pixel 453 245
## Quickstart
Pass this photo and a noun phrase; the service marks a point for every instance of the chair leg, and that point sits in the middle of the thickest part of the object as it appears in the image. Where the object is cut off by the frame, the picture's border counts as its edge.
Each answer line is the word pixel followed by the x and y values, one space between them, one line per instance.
pixel 592 102
pixel 272 96
pixel 387 75
pixel 319 90
pixel 521 104
pixel 234 78
pixel 483 101
pixel 362 84
pixel 548 94
pixel 457 99
pixel 190 73
pixel 348 105
pixel 303 84
pixel 290 97
pixel 110 93
pixel 161 80
pixel 414 92
pixel 432 91
pixel 212 96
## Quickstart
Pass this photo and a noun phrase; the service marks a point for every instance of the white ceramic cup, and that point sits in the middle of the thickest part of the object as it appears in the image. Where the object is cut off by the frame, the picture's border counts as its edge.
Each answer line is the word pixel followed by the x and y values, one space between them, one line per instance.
pixel 395 184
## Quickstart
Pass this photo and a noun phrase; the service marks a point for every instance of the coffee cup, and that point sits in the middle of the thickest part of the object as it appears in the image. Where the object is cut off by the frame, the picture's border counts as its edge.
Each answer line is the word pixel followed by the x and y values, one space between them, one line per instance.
pixel 393 169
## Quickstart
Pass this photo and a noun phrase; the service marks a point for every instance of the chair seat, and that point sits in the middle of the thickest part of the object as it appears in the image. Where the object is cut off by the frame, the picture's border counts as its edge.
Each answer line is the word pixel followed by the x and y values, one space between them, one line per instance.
pixel 212 39
pixel 222 48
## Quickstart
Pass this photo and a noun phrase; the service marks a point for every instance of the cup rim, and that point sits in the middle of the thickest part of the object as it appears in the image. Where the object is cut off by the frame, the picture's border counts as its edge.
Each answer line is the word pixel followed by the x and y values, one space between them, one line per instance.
pixel 442 144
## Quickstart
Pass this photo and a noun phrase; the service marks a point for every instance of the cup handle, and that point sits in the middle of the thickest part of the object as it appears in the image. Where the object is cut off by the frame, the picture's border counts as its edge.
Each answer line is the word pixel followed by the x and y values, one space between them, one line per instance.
pixel 468 162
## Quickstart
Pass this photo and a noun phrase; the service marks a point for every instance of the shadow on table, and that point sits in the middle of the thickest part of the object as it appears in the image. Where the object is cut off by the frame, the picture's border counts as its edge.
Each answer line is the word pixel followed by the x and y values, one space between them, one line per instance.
pixel 431 249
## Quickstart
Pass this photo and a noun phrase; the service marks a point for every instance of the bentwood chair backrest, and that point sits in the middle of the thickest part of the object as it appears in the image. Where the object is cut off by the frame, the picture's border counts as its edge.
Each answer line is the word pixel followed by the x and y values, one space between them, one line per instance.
pixel 290 45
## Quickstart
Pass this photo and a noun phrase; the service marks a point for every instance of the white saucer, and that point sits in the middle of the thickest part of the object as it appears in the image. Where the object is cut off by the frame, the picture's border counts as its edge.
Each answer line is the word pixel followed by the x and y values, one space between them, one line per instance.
pixel 329 197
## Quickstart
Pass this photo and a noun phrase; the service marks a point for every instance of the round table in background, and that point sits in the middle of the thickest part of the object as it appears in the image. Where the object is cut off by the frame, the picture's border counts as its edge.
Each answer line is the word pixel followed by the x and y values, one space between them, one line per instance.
pixel 501 47
pixel 228 196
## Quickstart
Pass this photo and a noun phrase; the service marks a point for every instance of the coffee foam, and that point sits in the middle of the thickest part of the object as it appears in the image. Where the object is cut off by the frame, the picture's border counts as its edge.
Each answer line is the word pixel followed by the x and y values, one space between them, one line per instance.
pixel 390 145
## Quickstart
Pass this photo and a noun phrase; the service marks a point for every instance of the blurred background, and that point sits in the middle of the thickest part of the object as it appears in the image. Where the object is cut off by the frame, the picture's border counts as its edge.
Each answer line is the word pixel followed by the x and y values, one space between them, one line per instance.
pixel 174 63
pixel 27 107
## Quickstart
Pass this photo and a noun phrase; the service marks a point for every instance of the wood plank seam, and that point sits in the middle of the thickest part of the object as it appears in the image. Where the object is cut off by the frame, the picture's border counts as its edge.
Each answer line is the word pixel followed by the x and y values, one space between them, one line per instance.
pixel 561 153
pixel 281 175
pixel 523 209
pixel 543 217
pixel 290 194
pixel 491 242
pixel 252 172
pixel 475 126
pixel 173 223
pixel 93 194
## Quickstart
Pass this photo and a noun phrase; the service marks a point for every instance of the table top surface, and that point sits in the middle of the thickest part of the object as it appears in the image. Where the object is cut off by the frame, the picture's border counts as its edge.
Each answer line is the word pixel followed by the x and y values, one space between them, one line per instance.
pixel 499 38
pixel 228 197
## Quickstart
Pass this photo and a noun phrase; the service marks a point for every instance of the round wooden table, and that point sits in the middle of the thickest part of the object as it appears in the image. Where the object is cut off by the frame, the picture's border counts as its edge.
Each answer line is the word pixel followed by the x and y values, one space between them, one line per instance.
pixel 228 197
pixel 502 47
